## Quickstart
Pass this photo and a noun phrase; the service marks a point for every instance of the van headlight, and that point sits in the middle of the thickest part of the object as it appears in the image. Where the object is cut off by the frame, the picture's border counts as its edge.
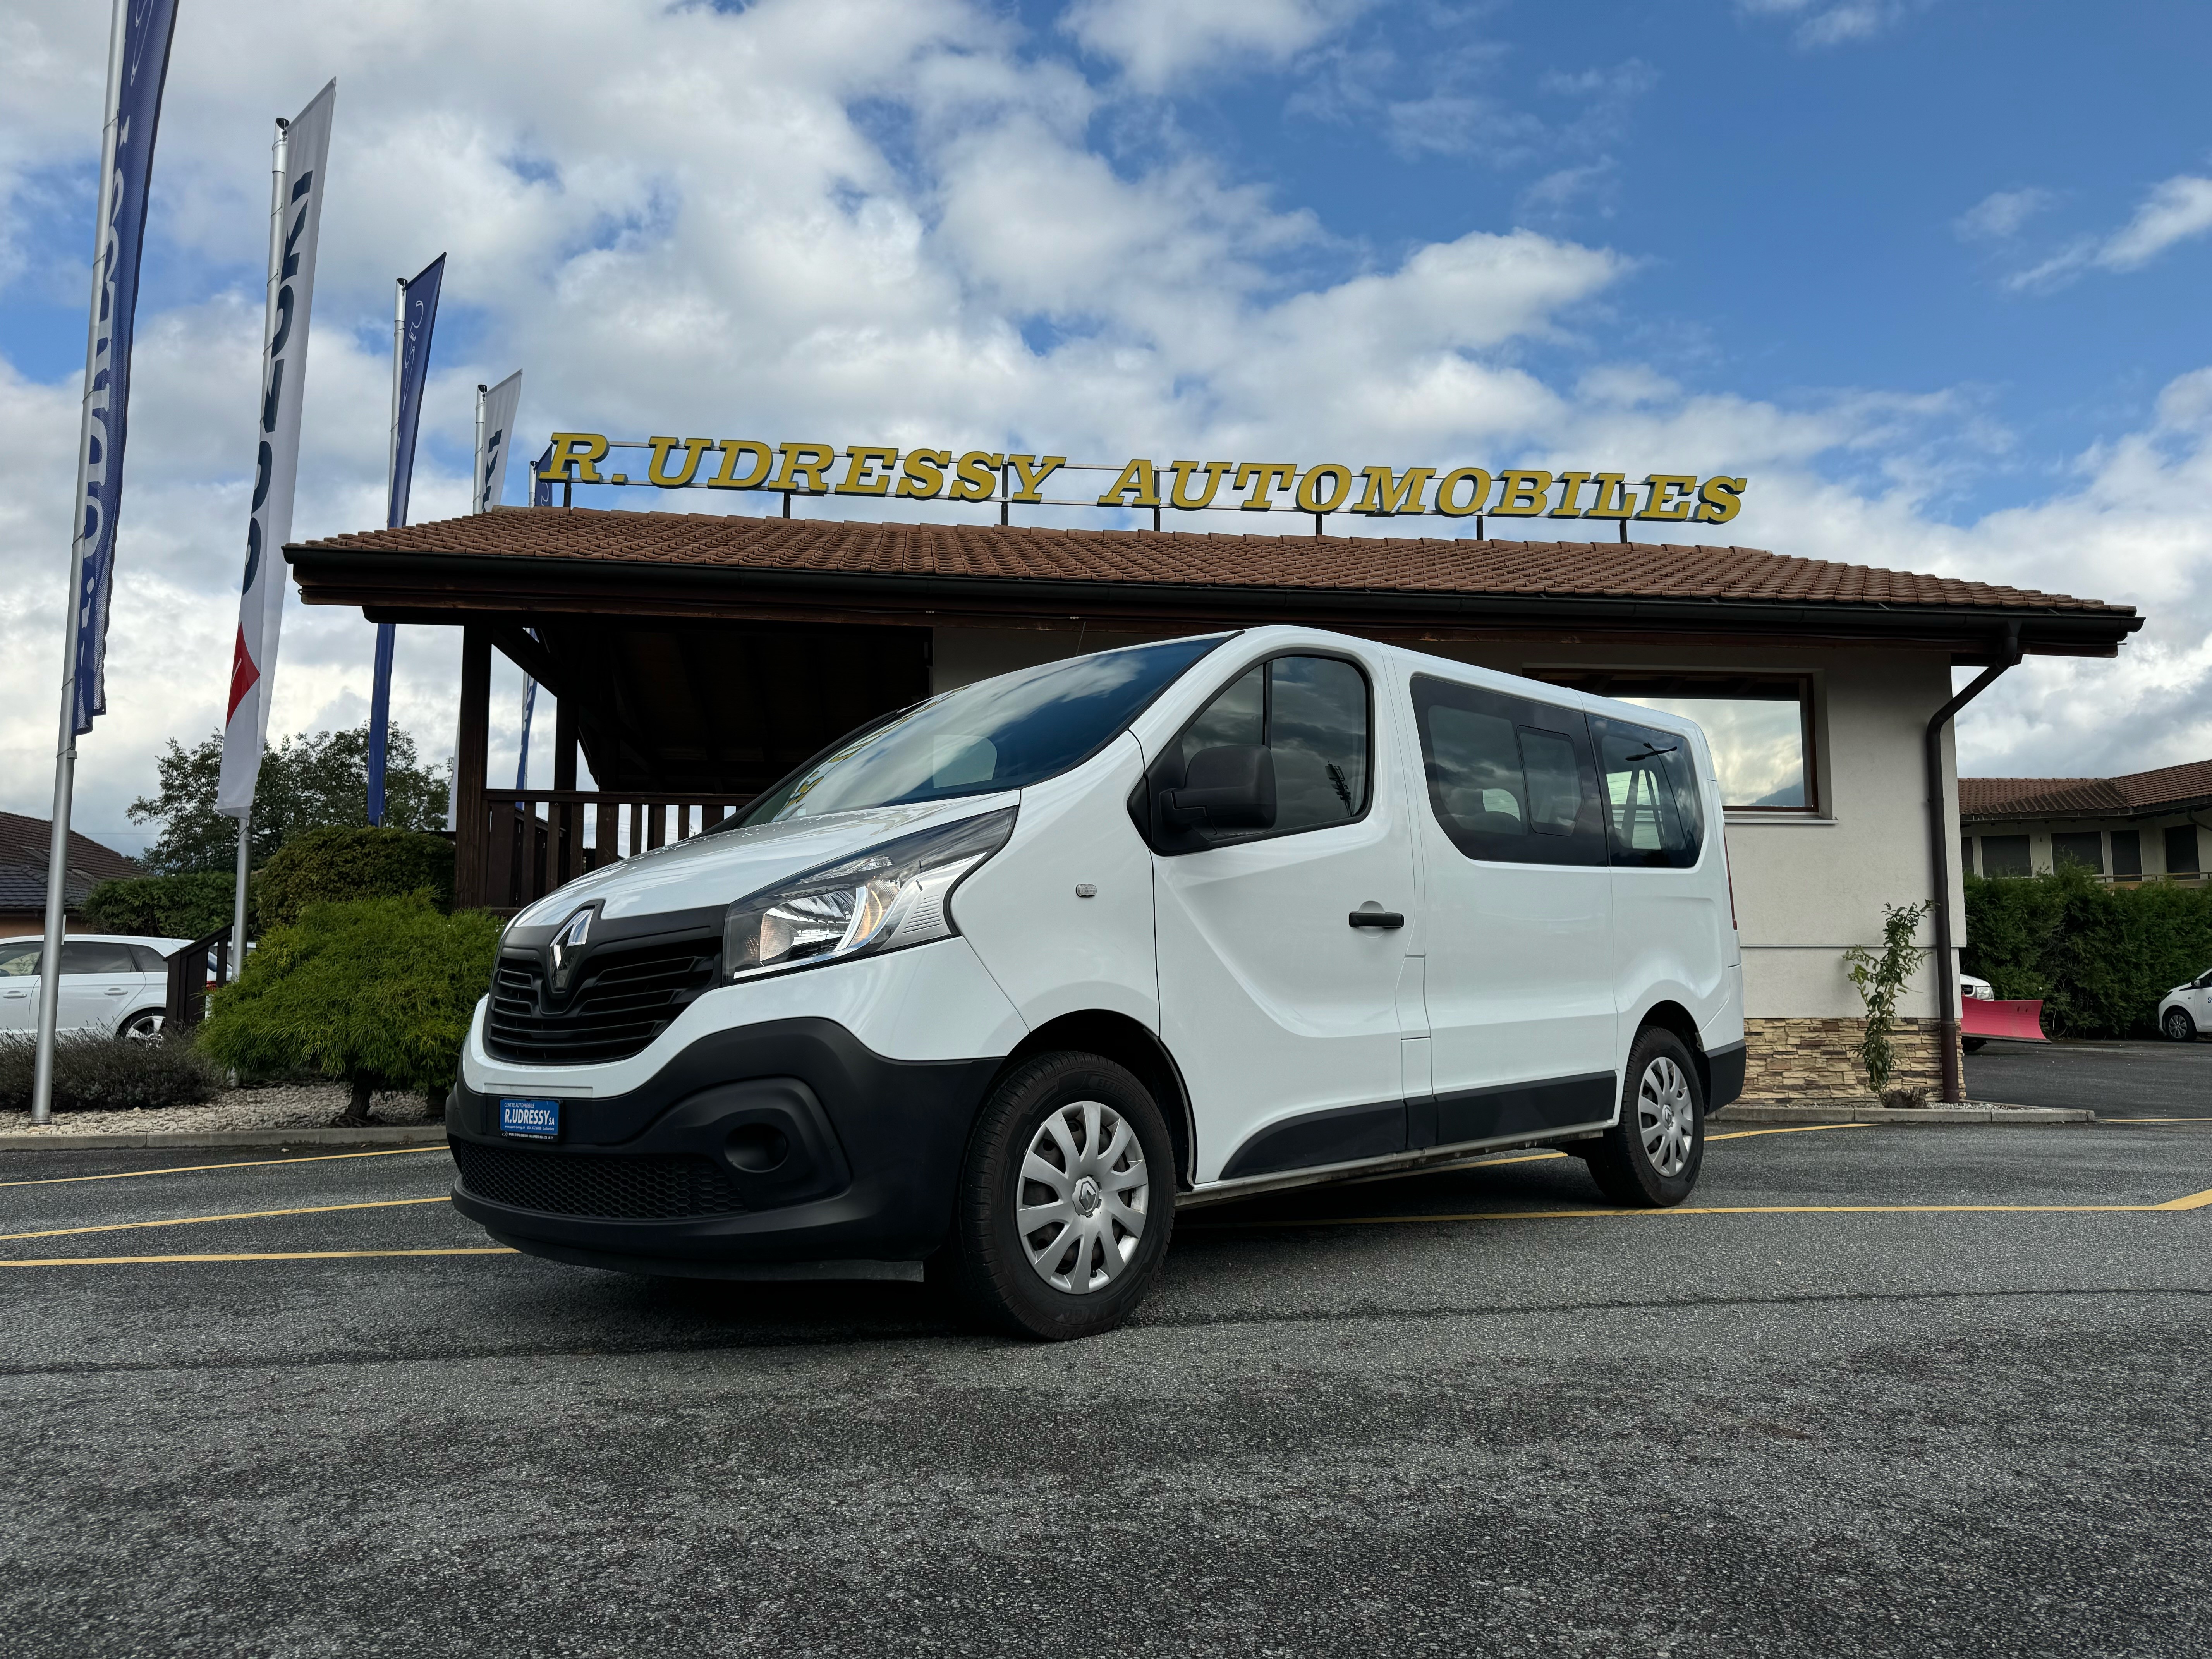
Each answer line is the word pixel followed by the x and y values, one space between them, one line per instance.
pixel 887 897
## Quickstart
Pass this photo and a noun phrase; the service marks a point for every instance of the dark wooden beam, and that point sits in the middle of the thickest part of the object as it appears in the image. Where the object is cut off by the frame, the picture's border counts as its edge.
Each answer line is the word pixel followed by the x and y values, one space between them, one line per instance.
pixel 471 757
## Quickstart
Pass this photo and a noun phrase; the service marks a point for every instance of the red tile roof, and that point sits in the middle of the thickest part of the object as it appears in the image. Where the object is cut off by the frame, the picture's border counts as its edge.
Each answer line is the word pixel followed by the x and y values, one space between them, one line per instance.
pixel 1372 563
pixel 2137 794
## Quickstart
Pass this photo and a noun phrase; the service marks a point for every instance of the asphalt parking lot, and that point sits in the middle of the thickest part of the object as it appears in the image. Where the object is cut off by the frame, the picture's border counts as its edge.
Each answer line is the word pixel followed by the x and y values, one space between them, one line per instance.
pixel 1877 1391
pixel 2134 1081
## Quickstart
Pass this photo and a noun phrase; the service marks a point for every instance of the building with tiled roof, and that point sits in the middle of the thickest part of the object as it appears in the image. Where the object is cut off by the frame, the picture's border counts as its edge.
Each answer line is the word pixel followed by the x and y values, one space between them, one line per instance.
pixel 2155 825
pixel 696 658
pixel 25 843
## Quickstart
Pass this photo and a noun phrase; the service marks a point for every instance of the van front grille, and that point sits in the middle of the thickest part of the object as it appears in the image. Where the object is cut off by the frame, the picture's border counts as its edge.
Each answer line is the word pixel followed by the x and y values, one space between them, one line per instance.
pixel 658 1186
pixel 625 996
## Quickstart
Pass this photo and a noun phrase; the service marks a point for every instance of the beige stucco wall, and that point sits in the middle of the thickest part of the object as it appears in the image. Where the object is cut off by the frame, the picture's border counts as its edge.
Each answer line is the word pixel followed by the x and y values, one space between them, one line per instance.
pixel 1805 888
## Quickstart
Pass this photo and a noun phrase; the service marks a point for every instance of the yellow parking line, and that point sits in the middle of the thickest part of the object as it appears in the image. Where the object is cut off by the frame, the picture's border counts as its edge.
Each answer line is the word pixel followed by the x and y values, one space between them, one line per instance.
pixel 188 1169
pixel 2194 1201
pixel 242 1215
pixel 272 1255
pixel 1790 1130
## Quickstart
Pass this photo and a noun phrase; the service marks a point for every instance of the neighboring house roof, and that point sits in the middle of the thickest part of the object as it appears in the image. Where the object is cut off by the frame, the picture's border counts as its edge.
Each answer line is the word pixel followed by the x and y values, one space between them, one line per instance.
pixel 23 845
pixel 577 558
pixel 2137 794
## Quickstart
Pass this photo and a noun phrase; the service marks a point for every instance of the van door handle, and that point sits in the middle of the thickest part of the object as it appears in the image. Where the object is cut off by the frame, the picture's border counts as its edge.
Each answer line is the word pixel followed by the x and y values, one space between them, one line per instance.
pixel 1384 920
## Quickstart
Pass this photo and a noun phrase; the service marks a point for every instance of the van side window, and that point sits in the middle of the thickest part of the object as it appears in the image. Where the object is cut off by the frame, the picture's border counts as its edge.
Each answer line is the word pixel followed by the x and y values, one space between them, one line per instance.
pixel 1312 714
pixel 1511 780
pixel 1654 818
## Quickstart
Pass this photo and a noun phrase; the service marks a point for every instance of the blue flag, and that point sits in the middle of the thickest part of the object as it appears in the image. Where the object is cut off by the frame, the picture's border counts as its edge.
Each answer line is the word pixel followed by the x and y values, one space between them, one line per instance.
pixel 541 487
pixel 418 318
pixel 147 26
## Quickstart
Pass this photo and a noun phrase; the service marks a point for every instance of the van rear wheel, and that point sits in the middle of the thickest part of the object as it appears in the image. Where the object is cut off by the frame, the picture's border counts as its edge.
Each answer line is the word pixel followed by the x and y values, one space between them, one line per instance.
pixel 1650 1159
pixel 1066 1200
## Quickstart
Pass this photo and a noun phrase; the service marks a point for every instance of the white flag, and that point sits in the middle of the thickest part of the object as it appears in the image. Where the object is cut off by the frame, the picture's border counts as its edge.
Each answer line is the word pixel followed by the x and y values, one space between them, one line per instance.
pixel 295 217
pixel 499 405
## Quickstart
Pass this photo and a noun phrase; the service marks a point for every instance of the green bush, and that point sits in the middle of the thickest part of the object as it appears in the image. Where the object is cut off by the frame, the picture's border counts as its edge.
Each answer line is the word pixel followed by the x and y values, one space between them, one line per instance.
pixel 170 907
pixel 2098 954
pixel 376 992
pixel 94 1072
pixel 333 864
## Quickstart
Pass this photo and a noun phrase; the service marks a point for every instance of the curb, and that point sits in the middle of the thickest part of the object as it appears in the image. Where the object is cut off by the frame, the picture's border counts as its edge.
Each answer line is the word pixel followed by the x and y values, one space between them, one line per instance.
pixel 1842 1112
pixel 410 1134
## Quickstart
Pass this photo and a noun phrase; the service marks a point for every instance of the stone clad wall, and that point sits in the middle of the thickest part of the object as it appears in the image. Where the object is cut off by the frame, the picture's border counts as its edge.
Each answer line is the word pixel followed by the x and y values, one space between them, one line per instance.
pixel 1790 1060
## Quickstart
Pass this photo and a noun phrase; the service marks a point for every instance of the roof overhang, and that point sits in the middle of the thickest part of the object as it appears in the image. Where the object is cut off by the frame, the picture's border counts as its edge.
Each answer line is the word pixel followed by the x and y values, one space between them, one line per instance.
pixel 447 588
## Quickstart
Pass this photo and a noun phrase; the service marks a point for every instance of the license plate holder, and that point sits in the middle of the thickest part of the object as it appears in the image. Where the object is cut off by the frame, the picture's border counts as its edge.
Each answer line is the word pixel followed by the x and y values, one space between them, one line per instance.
pixel 533 1120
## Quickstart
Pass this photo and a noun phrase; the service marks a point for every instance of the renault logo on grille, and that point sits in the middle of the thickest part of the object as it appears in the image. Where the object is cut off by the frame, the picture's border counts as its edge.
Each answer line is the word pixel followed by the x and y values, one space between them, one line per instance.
pixel 568 944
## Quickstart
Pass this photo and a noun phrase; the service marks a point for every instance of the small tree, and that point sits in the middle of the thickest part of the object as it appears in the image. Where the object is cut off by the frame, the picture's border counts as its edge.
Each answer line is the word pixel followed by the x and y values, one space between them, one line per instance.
pixel 1881 976
pixel 378 993
pixel 305 783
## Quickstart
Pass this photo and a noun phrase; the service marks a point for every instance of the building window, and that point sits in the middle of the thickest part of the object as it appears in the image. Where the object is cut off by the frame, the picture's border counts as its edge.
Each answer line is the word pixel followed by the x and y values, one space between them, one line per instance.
pixel 2004 855
pixel 2127 851
pixel 1760 728
pixel 2085 847
pixel 2181 849
pixel 1967 854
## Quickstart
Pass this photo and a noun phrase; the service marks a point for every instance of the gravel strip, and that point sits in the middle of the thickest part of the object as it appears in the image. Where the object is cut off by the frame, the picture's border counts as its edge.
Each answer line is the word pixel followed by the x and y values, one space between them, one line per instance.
pixel 280 1106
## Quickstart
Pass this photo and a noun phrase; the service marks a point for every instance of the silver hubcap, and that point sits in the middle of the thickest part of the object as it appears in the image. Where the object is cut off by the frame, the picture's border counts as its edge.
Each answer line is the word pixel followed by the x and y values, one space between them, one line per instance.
pixel 1665 1118
pixel 1083 1190
pixel 144 1028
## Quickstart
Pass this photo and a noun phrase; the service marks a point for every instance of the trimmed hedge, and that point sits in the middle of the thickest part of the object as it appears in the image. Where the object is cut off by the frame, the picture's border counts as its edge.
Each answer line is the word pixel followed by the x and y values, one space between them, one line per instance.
pixel 190 906
pixel 377 992
pixel 334 865
pixel 94 1072
pixel 2098 954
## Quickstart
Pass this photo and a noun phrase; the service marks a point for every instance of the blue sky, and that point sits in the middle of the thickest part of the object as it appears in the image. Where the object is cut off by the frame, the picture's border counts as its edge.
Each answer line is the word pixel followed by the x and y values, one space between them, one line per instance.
pixel 1926 270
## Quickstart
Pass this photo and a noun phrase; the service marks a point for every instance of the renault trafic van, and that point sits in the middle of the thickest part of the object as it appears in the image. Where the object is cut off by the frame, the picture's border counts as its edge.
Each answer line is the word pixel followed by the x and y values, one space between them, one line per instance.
pixel 999 982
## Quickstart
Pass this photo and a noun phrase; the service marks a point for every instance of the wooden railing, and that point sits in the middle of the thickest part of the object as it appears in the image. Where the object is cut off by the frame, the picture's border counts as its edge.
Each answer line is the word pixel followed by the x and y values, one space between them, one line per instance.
pixel 536 840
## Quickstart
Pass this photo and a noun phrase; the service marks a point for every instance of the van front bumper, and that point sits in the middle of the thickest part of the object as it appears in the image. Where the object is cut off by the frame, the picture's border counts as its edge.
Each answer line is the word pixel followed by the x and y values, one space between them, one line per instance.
pixel 784 1142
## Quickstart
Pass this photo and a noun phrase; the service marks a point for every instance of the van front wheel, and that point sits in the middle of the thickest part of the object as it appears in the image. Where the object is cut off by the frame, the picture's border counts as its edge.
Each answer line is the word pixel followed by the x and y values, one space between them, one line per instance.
pixel 1066 1198
pixel 1650 1159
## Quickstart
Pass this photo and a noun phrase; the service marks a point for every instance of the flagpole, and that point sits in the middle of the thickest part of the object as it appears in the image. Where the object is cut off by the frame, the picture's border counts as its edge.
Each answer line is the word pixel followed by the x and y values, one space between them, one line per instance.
pixel 268 333
pixel 57 846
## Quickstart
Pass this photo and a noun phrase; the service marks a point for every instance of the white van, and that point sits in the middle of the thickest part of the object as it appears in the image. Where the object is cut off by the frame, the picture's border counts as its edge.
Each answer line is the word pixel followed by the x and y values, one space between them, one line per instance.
pixel 1000 981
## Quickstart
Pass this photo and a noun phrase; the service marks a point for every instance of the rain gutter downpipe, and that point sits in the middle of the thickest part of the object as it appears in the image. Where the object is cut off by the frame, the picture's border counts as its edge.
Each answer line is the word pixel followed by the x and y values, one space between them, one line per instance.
pixel 1939 847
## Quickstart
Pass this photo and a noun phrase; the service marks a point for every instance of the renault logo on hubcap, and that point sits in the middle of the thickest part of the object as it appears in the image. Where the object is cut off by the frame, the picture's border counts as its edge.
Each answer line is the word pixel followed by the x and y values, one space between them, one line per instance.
pixel 1086 1196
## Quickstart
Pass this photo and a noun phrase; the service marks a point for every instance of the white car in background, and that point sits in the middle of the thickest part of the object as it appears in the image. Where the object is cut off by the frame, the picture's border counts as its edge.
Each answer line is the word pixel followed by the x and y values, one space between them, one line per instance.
pixel 110 982
pixel 2187 1009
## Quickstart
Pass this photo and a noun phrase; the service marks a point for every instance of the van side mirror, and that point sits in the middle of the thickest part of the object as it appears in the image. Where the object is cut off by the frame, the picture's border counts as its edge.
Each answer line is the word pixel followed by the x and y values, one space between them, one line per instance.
pixel 1231 789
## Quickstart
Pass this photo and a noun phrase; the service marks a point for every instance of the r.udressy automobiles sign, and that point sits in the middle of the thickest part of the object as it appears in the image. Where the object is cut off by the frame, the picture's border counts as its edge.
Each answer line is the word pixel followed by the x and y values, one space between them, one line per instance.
pixel 983 475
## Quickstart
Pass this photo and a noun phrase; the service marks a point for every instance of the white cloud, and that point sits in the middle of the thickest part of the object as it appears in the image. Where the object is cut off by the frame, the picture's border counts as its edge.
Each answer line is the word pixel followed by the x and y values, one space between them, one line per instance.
pixel 1158 42
pixel 2179 210
pixel 1833 22
pixel 884 218
pixel 2000 214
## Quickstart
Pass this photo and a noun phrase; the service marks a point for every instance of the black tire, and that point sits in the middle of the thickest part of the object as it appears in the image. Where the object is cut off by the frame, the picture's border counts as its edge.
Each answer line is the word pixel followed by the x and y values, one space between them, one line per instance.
pixel 2178 1025
pixel 987 1259
pixel 1973 1045
pixel 1620 1161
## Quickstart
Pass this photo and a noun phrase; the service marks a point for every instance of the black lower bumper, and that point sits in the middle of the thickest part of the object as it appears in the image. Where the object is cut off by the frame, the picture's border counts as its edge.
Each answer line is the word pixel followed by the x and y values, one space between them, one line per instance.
pixel 784 1142
pixel 1726 1068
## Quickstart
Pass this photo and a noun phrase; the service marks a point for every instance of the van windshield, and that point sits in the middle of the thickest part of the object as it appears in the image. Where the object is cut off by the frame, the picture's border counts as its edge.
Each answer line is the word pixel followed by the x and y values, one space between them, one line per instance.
pixel 1002 733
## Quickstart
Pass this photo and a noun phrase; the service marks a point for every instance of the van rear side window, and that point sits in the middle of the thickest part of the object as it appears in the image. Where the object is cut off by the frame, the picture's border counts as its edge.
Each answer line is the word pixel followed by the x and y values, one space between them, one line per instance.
pixel 1653 815
pixel 1511 780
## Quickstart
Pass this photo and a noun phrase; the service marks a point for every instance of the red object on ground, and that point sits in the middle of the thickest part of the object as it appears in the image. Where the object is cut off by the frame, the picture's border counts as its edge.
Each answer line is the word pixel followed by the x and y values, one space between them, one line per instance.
pixel 2022 1021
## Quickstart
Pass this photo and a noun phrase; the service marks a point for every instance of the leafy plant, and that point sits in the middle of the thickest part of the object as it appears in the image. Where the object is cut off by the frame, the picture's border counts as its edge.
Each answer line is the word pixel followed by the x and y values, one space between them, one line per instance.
pixel 334 865
pixel 1881 976
pixel 305 783
pixel 94 1072
pixel 188 905
pixel 376 992
pixel 2098 954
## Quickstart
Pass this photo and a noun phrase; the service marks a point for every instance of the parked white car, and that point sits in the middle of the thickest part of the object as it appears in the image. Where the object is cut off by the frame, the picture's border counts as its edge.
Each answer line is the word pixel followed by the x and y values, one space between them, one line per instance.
pixel 1002 980
pixel 110 983
pixel 2186 1009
